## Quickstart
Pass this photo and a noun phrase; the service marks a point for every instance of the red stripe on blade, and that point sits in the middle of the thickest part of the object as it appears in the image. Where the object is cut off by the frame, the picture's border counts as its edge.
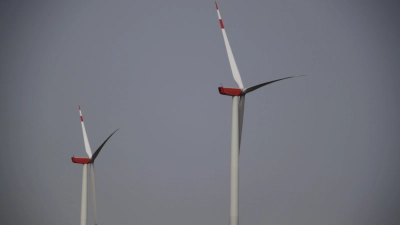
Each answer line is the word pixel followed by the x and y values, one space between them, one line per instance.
pixel 222 24
pixel 82 118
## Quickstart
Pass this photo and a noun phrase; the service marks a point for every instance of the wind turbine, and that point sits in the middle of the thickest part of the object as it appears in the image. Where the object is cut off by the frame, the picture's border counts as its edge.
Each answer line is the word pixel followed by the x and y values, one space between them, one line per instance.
pixel 85 162
pixel 238 98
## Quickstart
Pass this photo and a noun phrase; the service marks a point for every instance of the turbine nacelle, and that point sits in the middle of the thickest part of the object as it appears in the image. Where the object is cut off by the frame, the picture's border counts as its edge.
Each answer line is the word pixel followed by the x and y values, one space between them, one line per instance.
pixel 80 160
pixel 230 91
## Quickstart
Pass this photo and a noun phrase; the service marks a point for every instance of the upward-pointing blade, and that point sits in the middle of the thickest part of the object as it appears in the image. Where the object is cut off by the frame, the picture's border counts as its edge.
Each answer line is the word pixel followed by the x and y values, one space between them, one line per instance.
pixel 93 187
pixel 101 146
pixel 232 62
pixel 85 138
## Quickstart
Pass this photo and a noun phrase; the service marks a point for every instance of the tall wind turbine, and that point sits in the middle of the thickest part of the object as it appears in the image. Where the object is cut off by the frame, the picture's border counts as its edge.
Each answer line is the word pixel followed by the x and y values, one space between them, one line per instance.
pixel 238 98
pixel 85 162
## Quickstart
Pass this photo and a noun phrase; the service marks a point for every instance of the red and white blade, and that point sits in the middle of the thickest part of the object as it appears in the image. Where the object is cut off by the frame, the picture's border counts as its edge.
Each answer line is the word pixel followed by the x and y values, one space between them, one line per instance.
pixel 232 62
pixel 85 138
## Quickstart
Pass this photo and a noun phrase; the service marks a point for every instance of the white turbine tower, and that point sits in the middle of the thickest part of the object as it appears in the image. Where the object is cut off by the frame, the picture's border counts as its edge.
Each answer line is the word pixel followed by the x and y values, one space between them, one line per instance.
pixel 85 161
pixel 238 98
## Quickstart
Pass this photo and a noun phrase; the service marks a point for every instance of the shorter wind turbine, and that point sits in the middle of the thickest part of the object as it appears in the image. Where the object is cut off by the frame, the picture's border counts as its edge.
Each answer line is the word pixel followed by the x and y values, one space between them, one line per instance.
pixel 238 97
pixel 85 161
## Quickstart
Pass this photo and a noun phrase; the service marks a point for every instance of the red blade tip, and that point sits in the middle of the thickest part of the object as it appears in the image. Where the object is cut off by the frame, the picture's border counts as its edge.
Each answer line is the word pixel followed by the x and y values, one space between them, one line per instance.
pixel 216 5
pixel 79 107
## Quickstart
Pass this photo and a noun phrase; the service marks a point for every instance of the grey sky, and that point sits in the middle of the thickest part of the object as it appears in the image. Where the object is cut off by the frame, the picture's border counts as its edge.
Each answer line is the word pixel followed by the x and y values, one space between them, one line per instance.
pixel 321 149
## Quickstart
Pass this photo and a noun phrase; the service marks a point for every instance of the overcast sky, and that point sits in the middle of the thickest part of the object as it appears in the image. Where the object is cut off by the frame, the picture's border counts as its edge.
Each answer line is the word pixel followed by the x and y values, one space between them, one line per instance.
pixel 320 149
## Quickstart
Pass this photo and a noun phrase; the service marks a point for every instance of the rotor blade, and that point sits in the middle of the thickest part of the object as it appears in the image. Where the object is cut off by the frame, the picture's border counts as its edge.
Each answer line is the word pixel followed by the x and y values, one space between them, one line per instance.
pixel 93 186
pixel 85 138
pixel 241 114
pixel 250 89
pixel 232 62
pixel 101 146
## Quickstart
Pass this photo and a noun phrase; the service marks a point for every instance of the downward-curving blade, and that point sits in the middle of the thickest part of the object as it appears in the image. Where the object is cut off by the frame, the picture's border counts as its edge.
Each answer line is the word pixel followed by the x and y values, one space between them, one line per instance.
pixel 255 87
pixel 232 62
pixel 101 146
pixel 241 114
pixel 93 186
pixel 85 138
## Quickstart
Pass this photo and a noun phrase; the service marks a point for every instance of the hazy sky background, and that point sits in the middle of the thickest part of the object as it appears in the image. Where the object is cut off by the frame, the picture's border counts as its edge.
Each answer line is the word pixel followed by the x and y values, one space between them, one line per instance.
pixel 320 149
